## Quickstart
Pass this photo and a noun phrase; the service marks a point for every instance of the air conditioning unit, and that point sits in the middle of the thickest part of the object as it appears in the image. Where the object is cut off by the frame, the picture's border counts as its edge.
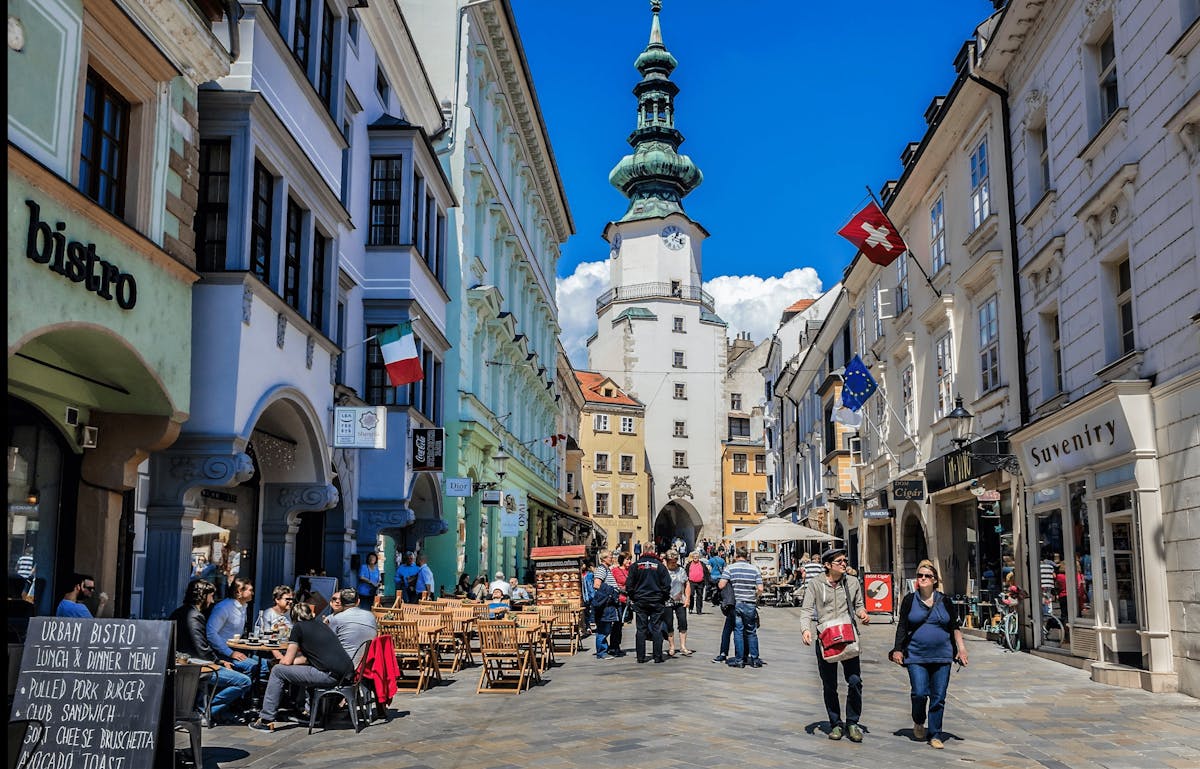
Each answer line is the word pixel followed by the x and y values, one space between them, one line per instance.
pixel 89 437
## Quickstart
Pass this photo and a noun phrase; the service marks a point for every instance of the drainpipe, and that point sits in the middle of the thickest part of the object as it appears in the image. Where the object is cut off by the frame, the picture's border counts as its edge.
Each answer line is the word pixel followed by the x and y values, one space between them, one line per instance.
pixel 1022 368
pixel 234 12
pixel 458 54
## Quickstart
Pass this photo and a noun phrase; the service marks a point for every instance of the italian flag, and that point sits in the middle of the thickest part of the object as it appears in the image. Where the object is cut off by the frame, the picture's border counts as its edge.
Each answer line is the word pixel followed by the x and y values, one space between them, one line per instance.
pixel 399 349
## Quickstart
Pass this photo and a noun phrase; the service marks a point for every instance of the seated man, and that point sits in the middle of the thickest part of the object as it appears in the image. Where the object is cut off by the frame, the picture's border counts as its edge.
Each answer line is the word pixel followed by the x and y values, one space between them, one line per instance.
pixel 325 663
pixel 501 584
pixel 228 619
pixel 520 596
pixel 498 607
pixel 354 626
pixel 191 639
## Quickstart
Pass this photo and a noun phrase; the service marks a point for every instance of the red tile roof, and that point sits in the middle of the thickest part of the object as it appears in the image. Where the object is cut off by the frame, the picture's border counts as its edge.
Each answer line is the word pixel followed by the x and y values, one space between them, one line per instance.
pixel 801 305
pixel 593 386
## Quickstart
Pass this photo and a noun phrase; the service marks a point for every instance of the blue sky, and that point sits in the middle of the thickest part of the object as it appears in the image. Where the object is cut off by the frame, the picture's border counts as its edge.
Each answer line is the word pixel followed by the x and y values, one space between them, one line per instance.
pixel 789 108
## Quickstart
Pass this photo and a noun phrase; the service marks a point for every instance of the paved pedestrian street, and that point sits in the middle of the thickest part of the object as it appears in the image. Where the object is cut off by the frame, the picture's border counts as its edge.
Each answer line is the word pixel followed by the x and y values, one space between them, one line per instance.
pixel 1004 710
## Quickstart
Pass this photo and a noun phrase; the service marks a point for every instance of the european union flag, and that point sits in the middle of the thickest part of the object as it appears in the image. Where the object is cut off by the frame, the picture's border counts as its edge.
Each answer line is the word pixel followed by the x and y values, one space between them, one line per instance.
pixel 857 384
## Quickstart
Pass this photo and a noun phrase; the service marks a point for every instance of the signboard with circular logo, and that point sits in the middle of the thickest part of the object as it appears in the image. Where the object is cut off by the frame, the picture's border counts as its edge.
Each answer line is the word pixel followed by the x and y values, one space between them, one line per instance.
pixel 878 593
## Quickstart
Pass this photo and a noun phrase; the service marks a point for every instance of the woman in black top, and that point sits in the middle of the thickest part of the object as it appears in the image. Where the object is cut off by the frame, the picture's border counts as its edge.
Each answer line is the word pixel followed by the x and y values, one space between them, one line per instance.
pixel 314 657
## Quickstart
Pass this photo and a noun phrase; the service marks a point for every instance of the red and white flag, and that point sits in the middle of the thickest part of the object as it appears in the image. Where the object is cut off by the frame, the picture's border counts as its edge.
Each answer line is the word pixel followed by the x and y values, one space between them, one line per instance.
pixel 875 235
pixel 554 440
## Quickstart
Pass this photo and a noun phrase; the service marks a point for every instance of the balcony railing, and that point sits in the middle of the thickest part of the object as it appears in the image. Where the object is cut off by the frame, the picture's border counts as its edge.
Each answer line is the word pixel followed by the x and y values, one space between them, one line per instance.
pixel 655 291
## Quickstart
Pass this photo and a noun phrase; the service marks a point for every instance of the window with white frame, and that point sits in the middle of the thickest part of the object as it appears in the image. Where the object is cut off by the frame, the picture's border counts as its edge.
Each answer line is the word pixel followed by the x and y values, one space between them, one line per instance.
pixel 741 502
pixel 860 328
pixel 1056 362
pixel 570 483
pixel 876 311
pixel 1039 153
pixel 679 459
pixel 735 401
pixel 944 372
pixel 601 507
pixel 902 283
pixel 760 502
pixel 601 464
pixel 989 345
pixel 627 463
pixel 600 423
pixel 677 325
pixel 1123 298
pixel 627 506
pixel 680 429
pixel 906 391
pixel 677 359
pixel 627 425
pixel 760 464
pixel 1107 87
pixel 937 234
pixel 739 464
pixel 981 193
pixel 680 391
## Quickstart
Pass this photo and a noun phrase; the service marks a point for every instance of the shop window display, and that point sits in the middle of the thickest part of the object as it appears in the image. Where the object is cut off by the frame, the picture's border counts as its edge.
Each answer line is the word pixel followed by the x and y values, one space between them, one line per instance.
pixel 1081 573
pixel 35 484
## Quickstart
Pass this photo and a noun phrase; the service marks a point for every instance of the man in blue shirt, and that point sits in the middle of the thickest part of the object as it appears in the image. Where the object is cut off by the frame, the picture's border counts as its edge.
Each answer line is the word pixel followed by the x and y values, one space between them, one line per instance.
pixel 82 588
pixel 426 588
pixel 406 579
pixel 228 618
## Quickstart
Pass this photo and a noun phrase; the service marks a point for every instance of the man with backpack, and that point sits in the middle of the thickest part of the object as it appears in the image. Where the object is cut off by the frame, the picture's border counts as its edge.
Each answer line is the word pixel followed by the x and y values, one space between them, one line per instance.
pixel 747 584
pixel 697 574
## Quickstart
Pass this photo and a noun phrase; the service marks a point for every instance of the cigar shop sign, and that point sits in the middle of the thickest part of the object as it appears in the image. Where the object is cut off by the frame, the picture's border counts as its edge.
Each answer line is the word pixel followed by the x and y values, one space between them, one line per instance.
pixel 1094 436
pixel 54 245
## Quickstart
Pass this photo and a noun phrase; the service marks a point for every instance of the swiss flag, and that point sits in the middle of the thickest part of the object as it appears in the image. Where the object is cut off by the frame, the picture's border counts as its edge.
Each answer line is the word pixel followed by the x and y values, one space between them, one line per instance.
pixel 874 234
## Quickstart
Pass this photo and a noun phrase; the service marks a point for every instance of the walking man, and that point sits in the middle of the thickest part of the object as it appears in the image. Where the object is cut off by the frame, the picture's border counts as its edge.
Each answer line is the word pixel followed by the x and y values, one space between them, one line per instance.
pixel 747 584
pixel 649 586
pixel 836 594
pixel 697 573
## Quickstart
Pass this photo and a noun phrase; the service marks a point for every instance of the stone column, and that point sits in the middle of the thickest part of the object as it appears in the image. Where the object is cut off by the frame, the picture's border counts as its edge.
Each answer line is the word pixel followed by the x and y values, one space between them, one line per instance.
pixel 175 479
pixel 282 504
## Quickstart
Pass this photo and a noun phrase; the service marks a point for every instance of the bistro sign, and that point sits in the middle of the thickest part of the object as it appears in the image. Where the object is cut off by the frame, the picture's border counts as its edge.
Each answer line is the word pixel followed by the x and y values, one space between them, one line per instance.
pixel 77 261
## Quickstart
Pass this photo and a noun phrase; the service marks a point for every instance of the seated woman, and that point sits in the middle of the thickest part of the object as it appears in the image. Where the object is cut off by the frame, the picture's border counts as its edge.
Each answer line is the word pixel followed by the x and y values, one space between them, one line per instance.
pixel 463 587
pixel 498 607
pixel 479 591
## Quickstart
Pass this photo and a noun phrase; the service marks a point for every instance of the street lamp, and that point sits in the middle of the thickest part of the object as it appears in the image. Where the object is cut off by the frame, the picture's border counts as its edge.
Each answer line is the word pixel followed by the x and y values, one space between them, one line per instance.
pixel 963 436
pixel 830 479
pixel 500 463
pixel 578 500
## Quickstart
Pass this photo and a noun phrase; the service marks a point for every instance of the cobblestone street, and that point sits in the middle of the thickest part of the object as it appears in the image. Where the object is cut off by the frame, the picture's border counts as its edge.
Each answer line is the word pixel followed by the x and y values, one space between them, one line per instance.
pixel 1004 710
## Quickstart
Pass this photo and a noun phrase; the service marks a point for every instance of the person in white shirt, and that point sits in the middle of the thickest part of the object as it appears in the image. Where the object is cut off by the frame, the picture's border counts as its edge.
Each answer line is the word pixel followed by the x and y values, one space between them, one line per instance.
pixel 501 584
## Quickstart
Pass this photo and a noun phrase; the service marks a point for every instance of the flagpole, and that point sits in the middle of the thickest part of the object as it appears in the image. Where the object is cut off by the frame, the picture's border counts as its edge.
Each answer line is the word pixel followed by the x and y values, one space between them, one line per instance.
pixel 916 261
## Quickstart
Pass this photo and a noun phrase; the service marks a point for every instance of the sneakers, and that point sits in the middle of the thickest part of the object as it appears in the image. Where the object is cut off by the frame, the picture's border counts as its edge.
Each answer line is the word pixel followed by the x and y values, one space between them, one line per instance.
pixel 756 663
pixel 260 725
pixel 603 657
pixel 919 732
pixel 836 733
pixel 720 658
pixel 735 663
pixel 854 732
pixel 936 744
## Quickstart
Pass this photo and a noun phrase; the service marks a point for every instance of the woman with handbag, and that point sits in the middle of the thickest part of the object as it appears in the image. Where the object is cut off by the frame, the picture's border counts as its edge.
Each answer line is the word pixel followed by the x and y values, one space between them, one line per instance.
pixel 834 600
pixel 928 639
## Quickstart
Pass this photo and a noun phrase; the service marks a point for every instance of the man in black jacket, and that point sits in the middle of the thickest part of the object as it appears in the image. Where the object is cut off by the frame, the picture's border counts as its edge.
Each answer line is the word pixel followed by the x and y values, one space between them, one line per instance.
pixel 649 587
pixel 192 640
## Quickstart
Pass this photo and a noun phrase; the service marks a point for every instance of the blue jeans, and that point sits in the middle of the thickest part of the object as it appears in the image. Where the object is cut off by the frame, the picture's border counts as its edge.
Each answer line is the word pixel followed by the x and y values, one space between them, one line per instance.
pixel 602 631
pixel 231 686
pixel 253 666
pixel 929 681
pixel 727 633
pixel 745 631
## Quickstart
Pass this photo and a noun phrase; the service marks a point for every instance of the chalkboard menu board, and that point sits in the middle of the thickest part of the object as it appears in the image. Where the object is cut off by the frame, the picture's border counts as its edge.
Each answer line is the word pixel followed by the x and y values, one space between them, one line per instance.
pixel 98 686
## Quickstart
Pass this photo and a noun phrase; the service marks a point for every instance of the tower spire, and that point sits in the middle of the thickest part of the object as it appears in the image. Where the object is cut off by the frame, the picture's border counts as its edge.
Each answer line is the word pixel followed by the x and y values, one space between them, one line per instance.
pixel 655 177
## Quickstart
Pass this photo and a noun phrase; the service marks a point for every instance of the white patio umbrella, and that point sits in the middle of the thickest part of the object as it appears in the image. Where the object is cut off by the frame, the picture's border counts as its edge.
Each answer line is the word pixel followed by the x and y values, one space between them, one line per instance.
pixel 200 527
pixel 781 530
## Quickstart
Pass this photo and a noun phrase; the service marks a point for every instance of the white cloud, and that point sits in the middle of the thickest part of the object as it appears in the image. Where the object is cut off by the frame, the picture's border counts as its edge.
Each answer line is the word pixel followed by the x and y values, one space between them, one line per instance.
pixel 754 304
pixel 745 302
pixel 576 295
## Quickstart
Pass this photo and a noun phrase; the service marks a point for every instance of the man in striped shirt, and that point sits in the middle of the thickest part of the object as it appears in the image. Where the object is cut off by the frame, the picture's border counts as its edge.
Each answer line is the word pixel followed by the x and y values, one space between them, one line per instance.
pixel 747 584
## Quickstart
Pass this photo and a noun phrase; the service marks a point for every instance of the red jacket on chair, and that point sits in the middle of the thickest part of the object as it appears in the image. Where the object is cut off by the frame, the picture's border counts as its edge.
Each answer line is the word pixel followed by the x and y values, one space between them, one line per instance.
pixel 380 668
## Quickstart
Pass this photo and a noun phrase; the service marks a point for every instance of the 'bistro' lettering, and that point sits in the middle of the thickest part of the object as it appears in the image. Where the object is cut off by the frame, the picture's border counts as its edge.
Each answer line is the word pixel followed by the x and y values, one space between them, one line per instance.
pixel 77 261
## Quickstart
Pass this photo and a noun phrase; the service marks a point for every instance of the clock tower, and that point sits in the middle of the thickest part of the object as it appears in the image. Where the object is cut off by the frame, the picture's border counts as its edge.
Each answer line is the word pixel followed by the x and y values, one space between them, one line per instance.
pixel 658 334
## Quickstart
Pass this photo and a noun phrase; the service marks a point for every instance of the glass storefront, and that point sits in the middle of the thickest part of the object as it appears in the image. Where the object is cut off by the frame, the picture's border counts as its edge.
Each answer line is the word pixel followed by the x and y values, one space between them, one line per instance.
pixel 223 537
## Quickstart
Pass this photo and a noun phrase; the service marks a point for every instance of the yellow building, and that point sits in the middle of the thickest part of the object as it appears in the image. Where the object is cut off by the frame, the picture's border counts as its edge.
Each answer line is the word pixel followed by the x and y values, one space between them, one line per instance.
pixel 615 485
pixel 743 484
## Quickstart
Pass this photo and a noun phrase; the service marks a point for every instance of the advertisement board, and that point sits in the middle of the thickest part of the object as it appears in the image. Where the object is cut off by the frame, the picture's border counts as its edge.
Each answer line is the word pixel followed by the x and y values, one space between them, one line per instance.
pixel 878 593
pixel 360 427
pixel 428 449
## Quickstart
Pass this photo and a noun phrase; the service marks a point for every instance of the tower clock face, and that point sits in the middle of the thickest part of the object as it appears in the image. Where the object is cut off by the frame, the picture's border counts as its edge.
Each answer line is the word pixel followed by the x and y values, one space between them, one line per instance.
pixel 674 238
pixel 616 244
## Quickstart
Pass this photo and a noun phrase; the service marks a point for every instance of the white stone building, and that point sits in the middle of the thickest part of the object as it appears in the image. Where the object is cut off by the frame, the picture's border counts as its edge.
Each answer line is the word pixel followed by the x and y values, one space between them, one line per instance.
pixel 658 336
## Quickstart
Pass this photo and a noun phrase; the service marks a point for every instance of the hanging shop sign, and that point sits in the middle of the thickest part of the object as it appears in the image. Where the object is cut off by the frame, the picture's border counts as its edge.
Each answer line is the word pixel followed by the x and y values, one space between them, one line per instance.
pixel 959 466
pixel 877 513
pixel 428 449
pixel 360 427
pixel 458 487
pixel 908 490
pixel 77 261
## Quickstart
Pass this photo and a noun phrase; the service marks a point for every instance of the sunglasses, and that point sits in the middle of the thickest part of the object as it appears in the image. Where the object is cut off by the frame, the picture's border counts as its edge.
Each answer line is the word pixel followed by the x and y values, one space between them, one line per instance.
pixel 88 587
pixel 842 561
pixel 925 576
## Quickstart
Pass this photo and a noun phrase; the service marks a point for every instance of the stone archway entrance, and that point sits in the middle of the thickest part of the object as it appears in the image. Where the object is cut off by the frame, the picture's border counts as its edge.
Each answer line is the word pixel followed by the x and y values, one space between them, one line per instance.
pixel 913 546
pixel 678 518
